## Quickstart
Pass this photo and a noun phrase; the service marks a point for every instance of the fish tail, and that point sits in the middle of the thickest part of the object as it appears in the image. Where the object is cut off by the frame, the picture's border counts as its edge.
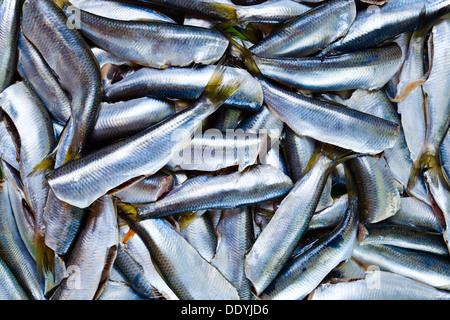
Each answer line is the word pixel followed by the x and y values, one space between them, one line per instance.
pixel 240 52
pixel 45 258
pixel 218 90
pixel 128 211
pixel 44 166
pixel 427 161
pixel 226 11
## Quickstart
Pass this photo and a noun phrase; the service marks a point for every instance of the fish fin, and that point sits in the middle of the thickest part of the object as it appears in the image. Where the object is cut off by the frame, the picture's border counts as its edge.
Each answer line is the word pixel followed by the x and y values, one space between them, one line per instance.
pixel 363 232
pixel 407 89
pixel 227 11
pixel 242 53
pixel 218 90
pixel 127 211
pixel 62 3
pixel 44 166
pixel 45 258
pixel 127 237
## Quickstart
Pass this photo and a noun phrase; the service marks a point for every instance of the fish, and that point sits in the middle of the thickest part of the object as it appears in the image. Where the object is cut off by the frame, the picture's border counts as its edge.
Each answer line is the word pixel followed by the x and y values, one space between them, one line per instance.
pixel 185 84
pixel 367 69
pixel 217 192
pixel 310 32
pixel 378 285
pixel 126 118
pixel 92 255
pixel 422 266
pixel 235 239
pixel 273 12
pixel 10 288
pixel 33 69
pixel 152 149
pixel 13 252
pixel 376 25
pixel 34 127
pixel 201 234
pixel 160 44
pixel 437 106
pixel 404 237
pixel 378 196
pixel 10 12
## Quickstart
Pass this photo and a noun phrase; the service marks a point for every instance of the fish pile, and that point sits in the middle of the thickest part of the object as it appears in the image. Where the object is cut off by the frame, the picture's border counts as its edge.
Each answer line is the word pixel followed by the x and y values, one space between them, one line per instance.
pixel 224 149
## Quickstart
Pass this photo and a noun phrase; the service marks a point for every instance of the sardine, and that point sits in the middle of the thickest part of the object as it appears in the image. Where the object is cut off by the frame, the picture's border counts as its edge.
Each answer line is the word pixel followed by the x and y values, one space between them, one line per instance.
pixel 257 184
pixel 187 84
pixel 310 32
pixel 10 12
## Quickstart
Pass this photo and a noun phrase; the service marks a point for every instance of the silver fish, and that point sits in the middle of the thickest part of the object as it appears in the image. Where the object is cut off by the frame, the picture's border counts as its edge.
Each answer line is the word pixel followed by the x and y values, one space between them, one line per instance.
pixel 310 32
pixel 235 239
pixel 93 254
pixel 329 122
pixel 258 183
pixel 425 267
pixel 366 69
pixel 10 288
pixel 185 83
pixel 71 59
pixel 378 285
pixel 278 239
pixel 9 32
pixel 159 42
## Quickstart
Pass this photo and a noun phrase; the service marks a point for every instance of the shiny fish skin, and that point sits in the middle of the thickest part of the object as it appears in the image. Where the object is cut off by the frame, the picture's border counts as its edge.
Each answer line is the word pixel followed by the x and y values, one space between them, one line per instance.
pixel 9 32
pixel 277 241
pixel 33 68
pixel 215 150
pixel 186 44
pixel 142 154
pixel 14 252
pixel 235 239
pixel 134 274
pixel 122 119
pixel 305 272
pixel 405 237
pixel 379 198
pixel 146 189
pixel 33 123
pixel 120 11
pixel 77 71
pixel 10 288
pixel 201 234
pixel 425 267
pixel 445 154
pixel 330 217
pixel 139 251
pixel 395 17
pixel 310 32
pixel 173 255
pixel 92 255
pixel 219 192
pixel 274 11
pixel 416 214
pixel 392 286
pixel 8 150
pixel 368 69
pixel 185 83
pixel 345 128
